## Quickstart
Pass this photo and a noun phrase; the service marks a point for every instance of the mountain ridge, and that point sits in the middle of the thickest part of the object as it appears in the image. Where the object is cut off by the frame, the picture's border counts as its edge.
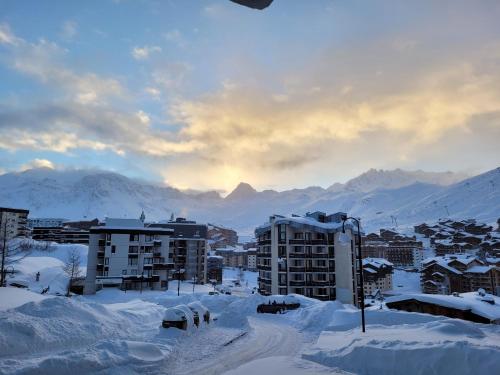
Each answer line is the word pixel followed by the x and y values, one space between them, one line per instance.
pixel 76 194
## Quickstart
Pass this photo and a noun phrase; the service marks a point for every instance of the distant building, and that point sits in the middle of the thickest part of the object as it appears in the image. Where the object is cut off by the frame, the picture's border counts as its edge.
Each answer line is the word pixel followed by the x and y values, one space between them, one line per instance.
pixel 45 222
pixel 307 255
pixel 251 259
pixel 400 250
pixel 123 252
pixel 13 223
pixel 220 236
pixel 214 268
pixel 234 256
pixel 458 273
pixel 189 247
pixel 377 275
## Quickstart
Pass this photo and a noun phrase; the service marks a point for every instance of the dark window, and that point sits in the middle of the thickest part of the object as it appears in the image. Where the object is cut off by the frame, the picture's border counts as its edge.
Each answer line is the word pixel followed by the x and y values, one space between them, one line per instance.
pixel 113 249
pixel 134 237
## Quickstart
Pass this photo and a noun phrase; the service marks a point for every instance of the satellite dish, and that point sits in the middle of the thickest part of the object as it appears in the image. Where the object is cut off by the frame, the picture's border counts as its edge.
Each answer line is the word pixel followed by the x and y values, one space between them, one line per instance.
pixel 254 4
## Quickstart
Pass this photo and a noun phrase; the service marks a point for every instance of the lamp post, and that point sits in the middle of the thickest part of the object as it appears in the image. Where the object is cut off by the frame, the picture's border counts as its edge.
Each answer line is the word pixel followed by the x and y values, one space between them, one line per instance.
pixel 360 260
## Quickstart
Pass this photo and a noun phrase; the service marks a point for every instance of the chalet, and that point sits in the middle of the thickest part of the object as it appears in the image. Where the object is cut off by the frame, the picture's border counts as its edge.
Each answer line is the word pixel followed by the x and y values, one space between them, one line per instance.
pixel 478 307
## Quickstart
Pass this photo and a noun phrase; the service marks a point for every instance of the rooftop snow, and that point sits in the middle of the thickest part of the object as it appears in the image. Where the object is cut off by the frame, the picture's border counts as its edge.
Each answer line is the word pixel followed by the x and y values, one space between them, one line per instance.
pixel 466 301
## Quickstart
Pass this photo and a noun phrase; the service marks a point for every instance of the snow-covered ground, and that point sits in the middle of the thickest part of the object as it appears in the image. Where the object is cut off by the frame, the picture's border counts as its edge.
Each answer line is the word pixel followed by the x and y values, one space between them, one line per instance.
pixel 405 282
pixel 117 332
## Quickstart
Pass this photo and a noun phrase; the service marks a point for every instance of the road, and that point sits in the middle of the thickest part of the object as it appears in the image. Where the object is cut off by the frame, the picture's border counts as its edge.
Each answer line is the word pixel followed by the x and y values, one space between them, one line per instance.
pixel 269 335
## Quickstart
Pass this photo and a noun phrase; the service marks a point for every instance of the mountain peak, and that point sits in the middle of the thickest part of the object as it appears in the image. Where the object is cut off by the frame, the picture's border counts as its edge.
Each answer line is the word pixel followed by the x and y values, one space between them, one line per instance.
pixel 243 190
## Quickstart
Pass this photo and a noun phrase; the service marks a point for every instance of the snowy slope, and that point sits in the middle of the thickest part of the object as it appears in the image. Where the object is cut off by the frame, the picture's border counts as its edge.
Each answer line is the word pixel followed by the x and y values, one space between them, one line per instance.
pixel 380 198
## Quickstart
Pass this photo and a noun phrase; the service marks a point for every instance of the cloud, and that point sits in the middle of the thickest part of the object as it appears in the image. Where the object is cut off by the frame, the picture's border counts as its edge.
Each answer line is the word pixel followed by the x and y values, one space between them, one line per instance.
pixel 43 60
pixel 69 29
pixel 176 37
pixel 6 35
pixel 143 53
pixel 37 163
pixel 153 92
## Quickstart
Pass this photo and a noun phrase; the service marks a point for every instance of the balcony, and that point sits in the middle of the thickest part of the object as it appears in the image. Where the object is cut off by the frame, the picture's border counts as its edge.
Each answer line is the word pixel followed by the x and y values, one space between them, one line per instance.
pixel 319 255
pixel 264 242
pixel 297 283
pixel 163 266
pixel 297 269
pixel 297 255
pixel 263 280
pixel 318 282
pixel 264 267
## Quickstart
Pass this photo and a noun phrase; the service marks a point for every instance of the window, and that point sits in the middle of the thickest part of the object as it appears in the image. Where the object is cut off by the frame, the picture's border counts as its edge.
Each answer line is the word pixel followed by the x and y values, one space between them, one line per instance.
pixel 113 249
pixel 134 238
pixel 132 261
pixel 308 236
pixel 108 236
pixel 299 236
pixel 133 272
pixel 124 272
pixel 148 260
pixel 149 237
pixel 133 249
pixel 282 232
pixel 106 261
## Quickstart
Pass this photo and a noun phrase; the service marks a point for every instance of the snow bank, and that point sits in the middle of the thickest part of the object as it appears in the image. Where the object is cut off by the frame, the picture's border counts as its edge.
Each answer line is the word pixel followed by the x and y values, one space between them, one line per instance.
pixel 438 346
pixel 13 297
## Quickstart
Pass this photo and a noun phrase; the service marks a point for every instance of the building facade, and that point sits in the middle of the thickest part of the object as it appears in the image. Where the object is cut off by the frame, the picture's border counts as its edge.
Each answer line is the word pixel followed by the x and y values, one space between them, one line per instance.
pixel 45 222
pixel 13 223
pixel 221 236
pixel 214 269
pixel 307 255
pixel 459 273
pixel 377 275
pixel 124 252
pixel 189 248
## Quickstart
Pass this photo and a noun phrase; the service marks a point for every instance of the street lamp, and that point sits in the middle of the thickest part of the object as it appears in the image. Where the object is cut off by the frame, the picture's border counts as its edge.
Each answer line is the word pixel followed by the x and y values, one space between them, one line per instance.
pixel 360 260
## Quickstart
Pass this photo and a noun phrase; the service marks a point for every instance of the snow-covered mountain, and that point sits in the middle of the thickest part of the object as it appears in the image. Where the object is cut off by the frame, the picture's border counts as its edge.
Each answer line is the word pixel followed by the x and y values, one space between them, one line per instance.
pixel 380 198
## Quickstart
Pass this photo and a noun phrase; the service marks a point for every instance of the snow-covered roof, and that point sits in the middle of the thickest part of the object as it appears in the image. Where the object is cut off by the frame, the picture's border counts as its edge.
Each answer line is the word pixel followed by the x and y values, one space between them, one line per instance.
pixel 303 220
pixel 377 262
pixel 479 269
pixel 472 301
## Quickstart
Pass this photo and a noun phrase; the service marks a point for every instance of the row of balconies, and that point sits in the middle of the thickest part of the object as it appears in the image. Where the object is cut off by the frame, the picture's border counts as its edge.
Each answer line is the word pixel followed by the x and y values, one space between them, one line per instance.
pixel 309 283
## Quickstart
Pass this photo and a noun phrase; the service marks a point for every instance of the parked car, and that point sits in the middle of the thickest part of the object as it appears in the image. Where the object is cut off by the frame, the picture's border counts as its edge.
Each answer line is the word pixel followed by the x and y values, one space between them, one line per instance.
pixel 179 317
pixel 214 293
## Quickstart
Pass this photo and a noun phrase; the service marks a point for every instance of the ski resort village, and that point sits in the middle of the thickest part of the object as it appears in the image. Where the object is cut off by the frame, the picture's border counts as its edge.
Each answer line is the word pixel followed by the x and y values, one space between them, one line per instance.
pixel 303 293
pixel 242 187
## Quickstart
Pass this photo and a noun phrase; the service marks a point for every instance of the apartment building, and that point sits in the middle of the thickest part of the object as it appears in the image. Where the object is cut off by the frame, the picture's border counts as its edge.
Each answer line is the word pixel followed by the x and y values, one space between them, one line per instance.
pixel 377 275
pixel 189 247
pixel 123 252
pixel 220 236
pixel 214 268
pixel 307 255
pixel 400 250
pixel 458 273
pixel 13 223
pixel 45 222
pixel 251 259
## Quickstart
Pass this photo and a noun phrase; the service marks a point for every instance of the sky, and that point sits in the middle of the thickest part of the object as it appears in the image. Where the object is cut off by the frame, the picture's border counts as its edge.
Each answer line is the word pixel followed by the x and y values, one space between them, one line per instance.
pixel 204 94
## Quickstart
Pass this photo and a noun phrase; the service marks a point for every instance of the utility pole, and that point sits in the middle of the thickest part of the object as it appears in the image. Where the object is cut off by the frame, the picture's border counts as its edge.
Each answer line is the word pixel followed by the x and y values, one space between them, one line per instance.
pixel 4 251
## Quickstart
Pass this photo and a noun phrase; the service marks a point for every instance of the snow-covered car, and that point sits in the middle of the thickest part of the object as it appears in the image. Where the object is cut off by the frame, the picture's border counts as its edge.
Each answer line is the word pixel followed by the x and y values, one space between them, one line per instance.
pixel 179 317
pixel 214 293
pixel 199 311
pixel 278 305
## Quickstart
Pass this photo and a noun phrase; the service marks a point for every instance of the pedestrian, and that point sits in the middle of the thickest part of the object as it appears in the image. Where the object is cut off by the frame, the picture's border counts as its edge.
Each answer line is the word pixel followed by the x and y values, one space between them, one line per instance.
pixel 38 276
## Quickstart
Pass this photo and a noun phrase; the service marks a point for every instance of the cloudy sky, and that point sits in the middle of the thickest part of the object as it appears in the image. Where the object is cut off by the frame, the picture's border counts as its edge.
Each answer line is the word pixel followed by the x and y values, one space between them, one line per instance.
pixel 206 93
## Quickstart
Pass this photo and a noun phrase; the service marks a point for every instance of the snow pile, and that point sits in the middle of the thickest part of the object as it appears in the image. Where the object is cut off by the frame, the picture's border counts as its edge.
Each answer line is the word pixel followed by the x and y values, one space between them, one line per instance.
pixel 424 344
pixel 12 297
